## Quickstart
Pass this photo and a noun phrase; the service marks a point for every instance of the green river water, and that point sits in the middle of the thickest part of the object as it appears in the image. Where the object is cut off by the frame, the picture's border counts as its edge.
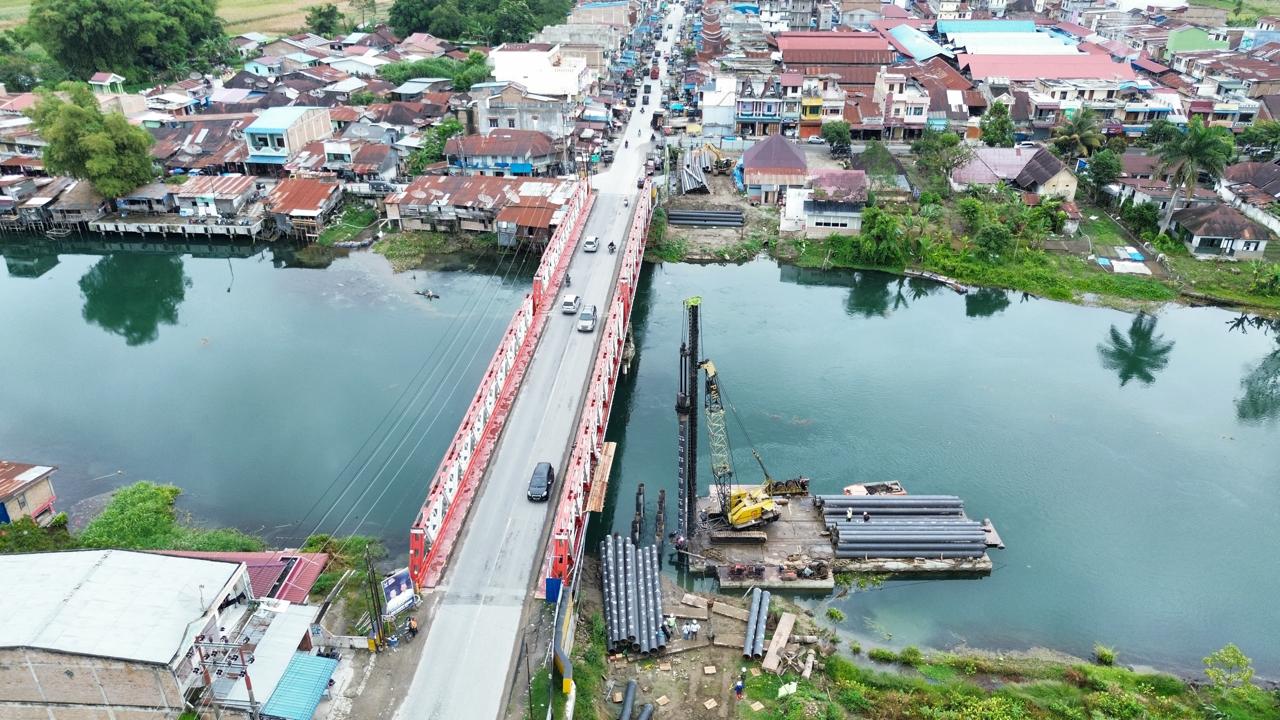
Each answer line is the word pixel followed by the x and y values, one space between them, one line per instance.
pixel 1130 464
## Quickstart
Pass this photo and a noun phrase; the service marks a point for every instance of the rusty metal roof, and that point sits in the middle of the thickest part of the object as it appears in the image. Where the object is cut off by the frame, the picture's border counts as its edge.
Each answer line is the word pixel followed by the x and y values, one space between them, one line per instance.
pixel 15 476
pixel 300 196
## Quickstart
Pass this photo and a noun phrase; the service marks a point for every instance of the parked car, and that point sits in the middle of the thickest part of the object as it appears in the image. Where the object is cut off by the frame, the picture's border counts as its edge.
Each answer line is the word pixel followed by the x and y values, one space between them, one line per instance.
pixel 640 181
pixel 587 319
pixel 540 484
pixel 570 304
pixel 591 244
pixel 816 140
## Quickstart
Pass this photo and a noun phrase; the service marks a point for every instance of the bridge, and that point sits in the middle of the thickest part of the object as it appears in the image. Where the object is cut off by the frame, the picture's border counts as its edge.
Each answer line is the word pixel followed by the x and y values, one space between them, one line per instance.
pixel 478 545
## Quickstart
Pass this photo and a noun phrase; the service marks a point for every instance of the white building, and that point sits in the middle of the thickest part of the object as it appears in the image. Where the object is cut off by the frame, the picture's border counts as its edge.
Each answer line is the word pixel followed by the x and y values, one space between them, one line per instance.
pixel 543 69
pixel 719 106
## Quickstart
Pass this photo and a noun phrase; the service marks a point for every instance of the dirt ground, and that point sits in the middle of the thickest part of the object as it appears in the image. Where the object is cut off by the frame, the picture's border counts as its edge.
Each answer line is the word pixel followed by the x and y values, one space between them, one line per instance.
pixel 721 244
pixel 677 681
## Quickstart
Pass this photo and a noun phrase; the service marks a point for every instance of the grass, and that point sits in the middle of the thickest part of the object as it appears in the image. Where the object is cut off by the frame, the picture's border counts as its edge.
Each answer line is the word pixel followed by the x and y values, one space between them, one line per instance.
pixel 142 516
pixel 589 669
pixel 1222 279
pixel 1104 231
pixel 408 250
pixel 346 554
pixel 1252 10
pixel 835 615
pixel 355 218
pixel 947 687
pixel 267 16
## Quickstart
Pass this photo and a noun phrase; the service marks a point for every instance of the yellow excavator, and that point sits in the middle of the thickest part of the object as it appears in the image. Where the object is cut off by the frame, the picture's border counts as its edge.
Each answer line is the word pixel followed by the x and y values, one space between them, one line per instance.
pixel 741 507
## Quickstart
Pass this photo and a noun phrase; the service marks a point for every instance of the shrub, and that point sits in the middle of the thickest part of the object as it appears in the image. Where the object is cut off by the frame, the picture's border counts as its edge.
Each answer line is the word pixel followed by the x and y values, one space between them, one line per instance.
pixel 994 240
pixel 882 655
pixel 911 655
pixel 1103 655
pixel 1076 677
pixel 835 615
pixel 1117 704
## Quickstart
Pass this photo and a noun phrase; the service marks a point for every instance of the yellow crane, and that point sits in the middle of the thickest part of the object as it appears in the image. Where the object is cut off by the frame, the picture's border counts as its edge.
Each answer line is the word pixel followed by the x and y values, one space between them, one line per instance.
pixel 740 507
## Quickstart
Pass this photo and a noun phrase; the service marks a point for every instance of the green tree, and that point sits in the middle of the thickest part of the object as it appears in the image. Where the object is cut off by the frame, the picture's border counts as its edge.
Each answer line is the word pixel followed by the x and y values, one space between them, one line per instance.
pixel 324 20
pixel 1117 144
pixel 1201 149
pixel 368 10
pixel 837 135
pixel 513 22
pixel 938 153
pixel 994 240
pixel 997 126
pixel 1140 355
pixel 474 69
pixel 1159 131
pixel 1237 8
pixel 139 39
pixel 1142 218
pixel 1229 669
pixel 432 150
pixel 411 16
pixel 360 98
pixel 1104 168
pixel 985 302
pixel 1079 135
pixel 85 143
pixel 1262 135
pixel 131 295
pixel 448 21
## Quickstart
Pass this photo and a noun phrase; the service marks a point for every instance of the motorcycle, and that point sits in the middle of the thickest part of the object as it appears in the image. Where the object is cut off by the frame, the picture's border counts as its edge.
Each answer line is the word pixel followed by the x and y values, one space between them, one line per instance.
pixel 626 143
pixel 612 247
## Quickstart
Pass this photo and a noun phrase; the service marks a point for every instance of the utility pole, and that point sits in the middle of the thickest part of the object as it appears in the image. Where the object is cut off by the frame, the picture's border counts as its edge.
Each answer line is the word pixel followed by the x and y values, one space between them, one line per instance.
pixel 375 596
pixel 224 658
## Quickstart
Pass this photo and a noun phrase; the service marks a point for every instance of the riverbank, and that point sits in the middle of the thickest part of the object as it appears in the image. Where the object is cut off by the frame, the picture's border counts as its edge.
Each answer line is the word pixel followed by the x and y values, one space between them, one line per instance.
pixel 696 679
pixel 418 250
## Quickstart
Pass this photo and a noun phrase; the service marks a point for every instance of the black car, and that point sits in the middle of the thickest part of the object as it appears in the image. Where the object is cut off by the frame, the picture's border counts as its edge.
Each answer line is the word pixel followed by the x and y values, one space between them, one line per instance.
pixel 544 477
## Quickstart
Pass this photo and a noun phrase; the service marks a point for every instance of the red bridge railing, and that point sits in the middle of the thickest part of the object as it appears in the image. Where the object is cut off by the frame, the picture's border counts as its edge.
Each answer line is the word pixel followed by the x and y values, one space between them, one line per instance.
pixel 570 525
pixel 435 530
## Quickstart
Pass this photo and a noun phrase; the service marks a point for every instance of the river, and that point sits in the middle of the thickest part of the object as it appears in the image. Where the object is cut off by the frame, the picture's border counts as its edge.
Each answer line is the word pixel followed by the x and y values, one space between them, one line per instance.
pixel 1130 462
pixel 251 384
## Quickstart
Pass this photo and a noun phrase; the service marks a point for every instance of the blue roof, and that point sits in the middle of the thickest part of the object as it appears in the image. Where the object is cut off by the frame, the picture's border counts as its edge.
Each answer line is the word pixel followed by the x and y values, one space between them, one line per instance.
pixel 917 44
pixel 301 687
pixel 267 159
pixel 278 119
pixel 946 27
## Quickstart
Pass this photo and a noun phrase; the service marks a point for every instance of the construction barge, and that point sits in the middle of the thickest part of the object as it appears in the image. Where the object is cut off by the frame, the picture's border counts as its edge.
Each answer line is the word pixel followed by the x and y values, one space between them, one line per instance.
pixel 777 535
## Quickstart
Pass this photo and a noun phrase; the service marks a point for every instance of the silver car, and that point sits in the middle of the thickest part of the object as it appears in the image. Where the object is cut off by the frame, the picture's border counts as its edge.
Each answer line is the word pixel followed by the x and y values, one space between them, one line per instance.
pixel 591 244
pixel 570 303
pixel 587 319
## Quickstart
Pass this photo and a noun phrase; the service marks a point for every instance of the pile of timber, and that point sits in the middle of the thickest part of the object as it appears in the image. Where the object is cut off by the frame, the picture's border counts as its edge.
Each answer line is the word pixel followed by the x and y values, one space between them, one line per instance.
pixel 632 596
pixel 901 526
pixel 753 644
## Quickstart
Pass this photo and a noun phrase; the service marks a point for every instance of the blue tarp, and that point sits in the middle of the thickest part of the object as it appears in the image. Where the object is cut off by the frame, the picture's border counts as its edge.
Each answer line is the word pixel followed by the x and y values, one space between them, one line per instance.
pixel 918 45
pixel 301 687
pixel 1104 262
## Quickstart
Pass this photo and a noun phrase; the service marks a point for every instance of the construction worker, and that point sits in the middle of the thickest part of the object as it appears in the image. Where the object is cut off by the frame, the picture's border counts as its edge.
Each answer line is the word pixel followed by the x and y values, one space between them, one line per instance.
pixel 413 627
pixel 848 514
pixel 866 516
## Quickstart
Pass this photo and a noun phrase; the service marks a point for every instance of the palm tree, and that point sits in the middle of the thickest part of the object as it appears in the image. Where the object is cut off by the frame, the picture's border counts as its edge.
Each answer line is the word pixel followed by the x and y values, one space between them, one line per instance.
pixel 1185 156
pixel 1140 355
pixel 1079 135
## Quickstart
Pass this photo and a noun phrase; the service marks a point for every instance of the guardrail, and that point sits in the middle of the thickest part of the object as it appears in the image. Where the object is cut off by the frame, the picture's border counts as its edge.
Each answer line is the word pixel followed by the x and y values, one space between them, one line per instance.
pixel 435 529
pixel 570 524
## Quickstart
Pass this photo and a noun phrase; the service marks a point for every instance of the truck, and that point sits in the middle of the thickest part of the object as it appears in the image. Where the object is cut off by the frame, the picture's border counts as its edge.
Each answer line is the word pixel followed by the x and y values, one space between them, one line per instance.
pixel 653 74
pixel 648 87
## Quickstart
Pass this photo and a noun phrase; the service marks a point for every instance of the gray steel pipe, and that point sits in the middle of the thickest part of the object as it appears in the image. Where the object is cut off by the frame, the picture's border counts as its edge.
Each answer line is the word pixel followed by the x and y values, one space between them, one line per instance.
pixel 646 712
pixel 887 510
pixel 605 592
pixel 749 641
pixel 628 699
pixel 897 554
pixel 630 579
pixel 646 602
pixel 762 620
pixel 659 611
pixel 843 500
pixel 918 549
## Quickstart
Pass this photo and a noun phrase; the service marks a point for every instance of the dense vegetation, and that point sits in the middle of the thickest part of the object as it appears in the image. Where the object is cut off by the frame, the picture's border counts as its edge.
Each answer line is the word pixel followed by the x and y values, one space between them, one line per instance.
pixel 488 21
pixel 961 687
pixel 140 516
pixel 474 69
pixel 139 39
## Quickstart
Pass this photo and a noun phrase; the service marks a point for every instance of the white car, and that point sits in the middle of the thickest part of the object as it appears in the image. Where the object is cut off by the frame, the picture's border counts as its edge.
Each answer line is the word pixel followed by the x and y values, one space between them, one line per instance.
pixel 570 303
pixel 816 140
pixel 587 319
pixel 591 244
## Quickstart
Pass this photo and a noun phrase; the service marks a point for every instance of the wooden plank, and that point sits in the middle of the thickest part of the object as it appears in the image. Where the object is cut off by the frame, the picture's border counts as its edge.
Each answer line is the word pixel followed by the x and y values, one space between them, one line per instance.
pixel 693 600
pixel 780 637
pixel 600 478
pixel 728 610
pixel 689 613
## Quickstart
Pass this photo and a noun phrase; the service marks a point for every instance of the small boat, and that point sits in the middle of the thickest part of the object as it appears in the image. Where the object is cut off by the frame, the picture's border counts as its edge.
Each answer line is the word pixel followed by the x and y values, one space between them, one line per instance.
pixel 426 294
pixel 890 487
pixel 58 232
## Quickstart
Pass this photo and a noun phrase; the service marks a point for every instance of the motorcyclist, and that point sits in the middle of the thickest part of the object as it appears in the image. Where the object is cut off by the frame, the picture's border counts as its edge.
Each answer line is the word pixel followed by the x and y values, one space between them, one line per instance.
pixel 626 143
pixel 612 246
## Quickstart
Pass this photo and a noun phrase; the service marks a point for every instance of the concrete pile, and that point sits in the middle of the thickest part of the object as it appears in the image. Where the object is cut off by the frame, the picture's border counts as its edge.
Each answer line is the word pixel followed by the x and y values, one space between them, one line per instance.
pixel 630 576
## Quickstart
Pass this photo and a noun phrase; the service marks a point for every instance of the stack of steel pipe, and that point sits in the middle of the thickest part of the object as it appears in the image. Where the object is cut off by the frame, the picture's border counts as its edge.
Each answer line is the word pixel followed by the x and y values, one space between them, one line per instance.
pixel 632 590
pixel 757 618
pixel 901 526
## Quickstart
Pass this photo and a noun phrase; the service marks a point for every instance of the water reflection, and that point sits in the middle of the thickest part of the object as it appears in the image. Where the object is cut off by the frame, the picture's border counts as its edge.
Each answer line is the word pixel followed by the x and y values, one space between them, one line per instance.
pixel 1260 398
pixel 1138 356
pixel 869 295
pixel 130 295
pixel 985 302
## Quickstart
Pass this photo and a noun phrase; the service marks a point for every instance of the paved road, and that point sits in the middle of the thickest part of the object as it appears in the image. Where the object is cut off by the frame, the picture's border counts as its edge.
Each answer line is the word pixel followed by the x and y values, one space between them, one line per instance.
pixel 470 641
